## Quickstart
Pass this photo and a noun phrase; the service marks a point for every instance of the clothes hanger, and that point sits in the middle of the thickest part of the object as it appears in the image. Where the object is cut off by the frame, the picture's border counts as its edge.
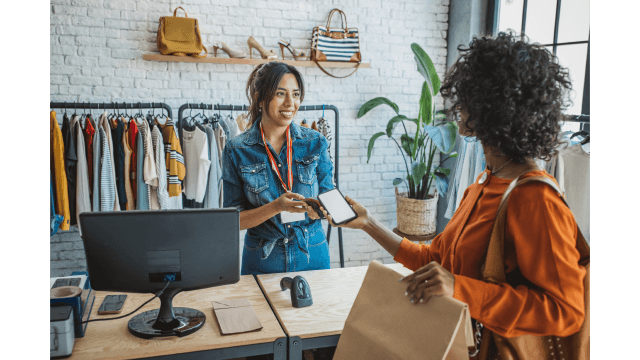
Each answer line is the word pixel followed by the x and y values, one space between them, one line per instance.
pixel 151 114
pixel 189 118
pixel 115 111
pixel 195 119
pixel 585 140
pixel 138 115
pixel 579 133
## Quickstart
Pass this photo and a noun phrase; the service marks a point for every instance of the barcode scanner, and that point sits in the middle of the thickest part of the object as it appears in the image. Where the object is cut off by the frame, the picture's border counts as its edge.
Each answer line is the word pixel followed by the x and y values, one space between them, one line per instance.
pixel 300 291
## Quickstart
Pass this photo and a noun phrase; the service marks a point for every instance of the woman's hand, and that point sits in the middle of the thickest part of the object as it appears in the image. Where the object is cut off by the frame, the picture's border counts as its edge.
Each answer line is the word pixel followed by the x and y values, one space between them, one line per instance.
pixel 358 223
pixel 430 280
pixel 313 215
pixel 285 202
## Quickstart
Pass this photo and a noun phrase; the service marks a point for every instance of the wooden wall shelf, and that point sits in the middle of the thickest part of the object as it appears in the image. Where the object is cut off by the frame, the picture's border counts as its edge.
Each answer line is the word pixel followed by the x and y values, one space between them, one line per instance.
pixel 225 60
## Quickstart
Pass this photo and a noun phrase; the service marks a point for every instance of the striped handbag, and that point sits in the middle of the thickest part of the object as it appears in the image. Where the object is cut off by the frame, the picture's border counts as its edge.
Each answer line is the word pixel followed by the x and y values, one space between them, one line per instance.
pixel 335 44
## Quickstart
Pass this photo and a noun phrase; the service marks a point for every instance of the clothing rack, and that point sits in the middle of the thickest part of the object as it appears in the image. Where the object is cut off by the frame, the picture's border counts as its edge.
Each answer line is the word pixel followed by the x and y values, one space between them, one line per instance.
pixel 578 118
pixel 112 105
pixel 584 120
pixel 336 141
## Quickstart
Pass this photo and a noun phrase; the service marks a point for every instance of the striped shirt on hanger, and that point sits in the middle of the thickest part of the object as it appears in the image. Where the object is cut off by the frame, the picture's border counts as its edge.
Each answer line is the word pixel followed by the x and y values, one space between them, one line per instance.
pixel 107 185
pixel 174 159
pixel 158 149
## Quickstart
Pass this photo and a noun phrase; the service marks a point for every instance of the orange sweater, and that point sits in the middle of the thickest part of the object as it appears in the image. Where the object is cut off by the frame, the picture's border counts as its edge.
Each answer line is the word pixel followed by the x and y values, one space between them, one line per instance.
pixel 57 168
pixel 544 234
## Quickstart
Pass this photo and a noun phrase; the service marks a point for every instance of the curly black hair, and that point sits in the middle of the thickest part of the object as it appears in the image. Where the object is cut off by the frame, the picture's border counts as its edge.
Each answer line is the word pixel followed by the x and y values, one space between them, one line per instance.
pixel 513 92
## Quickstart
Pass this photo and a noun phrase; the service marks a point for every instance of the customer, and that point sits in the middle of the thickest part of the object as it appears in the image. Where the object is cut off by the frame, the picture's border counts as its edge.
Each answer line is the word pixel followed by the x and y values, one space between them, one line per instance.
pixel 509 94
pixel 271 166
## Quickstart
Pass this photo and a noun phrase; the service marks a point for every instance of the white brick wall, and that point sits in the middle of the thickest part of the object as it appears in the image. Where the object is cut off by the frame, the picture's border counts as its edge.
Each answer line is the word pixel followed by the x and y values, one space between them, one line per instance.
pixel 96 55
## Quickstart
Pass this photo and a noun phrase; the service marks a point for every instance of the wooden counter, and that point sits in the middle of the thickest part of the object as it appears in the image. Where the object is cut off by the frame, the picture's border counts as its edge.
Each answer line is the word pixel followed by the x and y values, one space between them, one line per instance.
pixel 112 339
pixel 333 292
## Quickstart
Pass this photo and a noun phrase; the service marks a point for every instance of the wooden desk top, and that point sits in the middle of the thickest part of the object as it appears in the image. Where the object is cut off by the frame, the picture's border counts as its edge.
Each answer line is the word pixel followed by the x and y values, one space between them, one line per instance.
pixel 112 339
pixel 334 292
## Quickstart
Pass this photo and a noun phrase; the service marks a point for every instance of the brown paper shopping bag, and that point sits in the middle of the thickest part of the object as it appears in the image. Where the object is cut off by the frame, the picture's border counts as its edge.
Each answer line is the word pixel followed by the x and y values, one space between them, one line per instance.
pixel 384 325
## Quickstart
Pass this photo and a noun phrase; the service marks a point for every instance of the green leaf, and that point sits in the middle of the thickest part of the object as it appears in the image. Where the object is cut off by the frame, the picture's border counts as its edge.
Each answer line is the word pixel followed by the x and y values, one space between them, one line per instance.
pixel 397 181
pixel 407 144
pixel 392 123
pixel 426 68
pixel 446 172
pixel 418 169
pixel 442 183
pixel 453 155
pixel 369 105
pixel 443 136
pixel 371 142
pixel 426 103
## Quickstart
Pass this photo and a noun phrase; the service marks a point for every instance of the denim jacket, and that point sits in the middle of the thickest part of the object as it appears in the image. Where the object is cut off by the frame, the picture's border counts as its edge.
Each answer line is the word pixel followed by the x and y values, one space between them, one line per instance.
pixel 250 182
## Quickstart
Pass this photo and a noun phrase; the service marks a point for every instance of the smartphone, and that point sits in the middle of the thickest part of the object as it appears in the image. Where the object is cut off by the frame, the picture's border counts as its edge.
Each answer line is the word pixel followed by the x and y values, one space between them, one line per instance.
pixel 337 206
pixel 315 205
pixel 112 304
pixel 66 282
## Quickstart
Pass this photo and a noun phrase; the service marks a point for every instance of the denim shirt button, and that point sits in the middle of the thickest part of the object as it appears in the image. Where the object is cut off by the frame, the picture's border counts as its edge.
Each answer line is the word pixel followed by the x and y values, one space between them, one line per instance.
pixel 279 165
pixel 286 241
pixel 289 226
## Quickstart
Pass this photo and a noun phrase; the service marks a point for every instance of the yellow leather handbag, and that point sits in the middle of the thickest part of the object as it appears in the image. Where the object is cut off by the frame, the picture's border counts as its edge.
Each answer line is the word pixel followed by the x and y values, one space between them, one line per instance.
pixel 180 36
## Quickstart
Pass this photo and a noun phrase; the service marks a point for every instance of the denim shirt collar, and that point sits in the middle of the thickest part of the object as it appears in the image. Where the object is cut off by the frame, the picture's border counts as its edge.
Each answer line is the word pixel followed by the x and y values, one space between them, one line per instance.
pixel 254 136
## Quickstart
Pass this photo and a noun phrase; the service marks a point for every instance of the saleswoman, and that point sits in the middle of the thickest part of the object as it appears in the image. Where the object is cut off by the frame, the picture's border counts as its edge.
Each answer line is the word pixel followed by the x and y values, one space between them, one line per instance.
pixel 269 168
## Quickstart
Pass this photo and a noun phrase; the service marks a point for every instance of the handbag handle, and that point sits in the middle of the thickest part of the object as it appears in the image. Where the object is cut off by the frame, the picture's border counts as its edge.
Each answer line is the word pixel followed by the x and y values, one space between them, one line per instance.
pixel 333 76
pixel 494 264
pixel 342 16
pixel 176 10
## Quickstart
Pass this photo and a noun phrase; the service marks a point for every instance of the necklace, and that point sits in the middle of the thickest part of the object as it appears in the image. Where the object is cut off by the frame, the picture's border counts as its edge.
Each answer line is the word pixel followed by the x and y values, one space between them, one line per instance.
pixel 500 168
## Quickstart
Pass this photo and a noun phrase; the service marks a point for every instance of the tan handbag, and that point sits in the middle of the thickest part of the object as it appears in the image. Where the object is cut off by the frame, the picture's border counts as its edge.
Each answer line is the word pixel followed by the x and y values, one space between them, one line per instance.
pixel 180 36
pixel 335 44
pixel 529 347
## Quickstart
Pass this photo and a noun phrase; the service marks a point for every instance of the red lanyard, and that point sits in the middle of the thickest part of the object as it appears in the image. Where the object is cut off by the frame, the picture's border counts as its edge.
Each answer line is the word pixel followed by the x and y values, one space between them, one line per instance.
pixel 274 166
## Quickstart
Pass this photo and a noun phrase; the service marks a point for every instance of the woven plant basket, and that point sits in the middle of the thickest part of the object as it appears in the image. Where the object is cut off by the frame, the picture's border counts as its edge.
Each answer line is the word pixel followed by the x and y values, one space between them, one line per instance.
pixel 416 217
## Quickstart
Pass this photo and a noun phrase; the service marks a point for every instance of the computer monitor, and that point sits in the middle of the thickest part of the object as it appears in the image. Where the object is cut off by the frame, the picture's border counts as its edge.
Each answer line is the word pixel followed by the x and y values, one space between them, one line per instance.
pixel 137 251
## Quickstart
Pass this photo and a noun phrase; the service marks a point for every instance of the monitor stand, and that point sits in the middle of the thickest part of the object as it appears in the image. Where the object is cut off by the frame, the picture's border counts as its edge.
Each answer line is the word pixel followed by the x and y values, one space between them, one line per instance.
pixel 167 321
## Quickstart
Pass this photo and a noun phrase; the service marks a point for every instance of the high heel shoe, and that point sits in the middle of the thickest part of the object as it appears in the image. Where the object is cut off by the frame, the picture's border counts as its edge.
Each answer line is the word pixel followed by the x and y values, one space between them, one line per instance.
pixel 266 54
pixel 237 54
pixel 296 54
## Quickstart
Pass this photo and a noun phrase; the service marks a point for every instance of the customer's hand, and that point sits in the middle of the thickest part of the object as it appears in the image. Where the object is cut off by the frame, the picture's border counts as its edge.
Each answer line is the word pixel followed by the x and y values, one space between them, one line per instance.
pixel 286 203
pixel 359 222
pixel 430 280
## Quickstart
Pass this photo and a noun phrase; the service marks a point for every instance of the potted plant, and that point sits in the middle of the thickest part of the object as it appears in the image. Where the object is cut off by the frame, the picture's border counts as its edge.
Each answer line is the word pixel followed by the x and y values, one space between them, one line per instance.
pixel 416 208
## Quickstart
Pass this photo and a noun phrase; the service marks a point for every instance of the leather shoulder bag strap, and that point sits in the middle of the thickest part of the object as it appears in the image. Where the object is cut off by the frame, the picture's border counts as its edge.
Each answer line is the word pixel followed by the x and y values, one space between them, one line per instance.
pixel 494 265
pixel 333 76
pixel 197 29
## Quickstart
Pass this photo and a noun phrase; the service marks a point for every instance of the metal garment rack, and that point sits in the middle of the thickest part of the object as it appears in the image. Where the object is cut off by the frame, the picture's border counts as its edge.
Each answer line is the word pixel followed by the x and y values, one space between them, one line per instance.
pixel 336 140
pixel 585 119
pixel 112 105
